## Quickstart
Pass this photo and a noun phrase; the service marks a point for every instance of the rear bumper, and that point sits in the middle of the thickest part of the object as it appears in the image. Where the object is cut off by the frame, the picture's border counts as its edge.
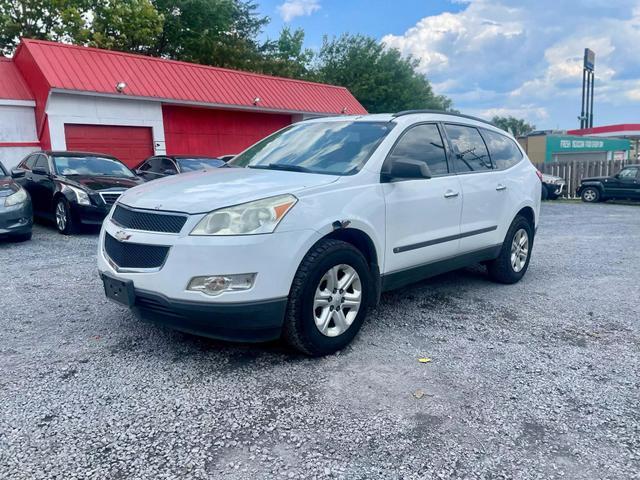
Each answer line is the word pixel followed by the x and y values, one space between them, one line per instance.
pixel 244 322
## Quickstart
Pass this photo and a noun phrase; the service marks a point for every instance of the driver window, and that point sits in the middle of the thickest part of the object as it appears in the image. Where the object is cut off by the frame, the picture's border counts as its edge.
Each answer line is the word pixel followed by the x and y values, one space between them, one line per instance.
pixel 423 143
pixel 628 173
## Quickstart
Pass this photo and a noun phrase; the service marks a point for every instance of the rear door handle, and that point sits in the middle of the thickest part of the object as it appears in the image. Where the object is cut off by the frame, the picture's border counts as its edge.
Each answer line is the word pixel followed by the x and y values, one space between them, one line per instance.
pixel 450 194
pixel 501 187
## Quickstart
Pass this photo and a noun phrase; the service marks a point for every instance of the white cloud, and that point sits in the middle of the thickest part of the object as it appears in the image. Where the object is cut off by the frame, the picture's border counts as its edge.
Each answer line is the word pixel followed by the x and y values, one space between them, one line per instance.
pixel 291 9
pixel 525 56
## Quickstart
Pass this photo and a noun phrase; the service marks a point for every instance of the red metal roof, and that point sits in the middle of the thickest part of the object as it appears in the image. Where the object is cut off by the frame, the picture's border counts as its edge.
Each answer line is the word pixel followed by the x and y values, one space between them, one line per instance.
pixel 612 130
pixel 86 69
pixel 12 85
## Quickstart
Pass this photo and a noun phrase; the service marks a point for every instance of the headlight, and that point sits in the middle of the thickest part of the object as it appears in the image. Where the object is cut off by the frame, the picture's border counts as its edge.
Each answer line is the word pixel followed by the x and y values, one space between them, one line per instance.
pixel 15 198
pixel 260 216
pixel 82 197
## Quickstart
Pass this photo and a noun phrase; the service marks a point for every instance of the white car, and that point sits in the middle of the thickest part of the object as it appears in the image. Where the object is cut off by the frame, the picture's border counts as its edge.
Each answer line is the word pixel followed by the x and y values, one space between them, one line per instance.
pixel 315 221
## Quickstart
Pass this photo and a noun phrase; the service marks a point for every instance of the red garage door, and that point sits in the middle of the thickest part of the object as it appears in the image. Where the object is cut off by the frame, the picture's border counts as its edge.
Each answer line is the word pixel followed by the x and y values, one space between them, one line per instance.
pixel 201 131
pixel 129 144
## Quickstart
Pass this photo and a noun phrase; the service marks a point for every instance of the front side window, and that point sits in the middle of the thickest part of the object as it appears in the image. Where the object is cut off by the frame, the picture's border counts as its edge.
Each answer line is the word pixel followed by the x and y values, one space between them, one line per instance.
pixel 90 165
pixel 469 151
pixel 423 143
pixel 628 173
pixel 42 162
pixel 333 147
pixel 504 152
pixel 30 161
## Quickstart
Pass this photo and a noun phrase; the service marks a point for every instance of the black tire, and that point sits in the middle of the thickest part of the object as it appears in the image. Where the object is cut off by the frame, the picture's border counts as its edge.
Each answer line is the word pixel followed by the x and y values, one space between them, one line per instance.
pixel 69 227
pixel 23 237
pixel 300 330
pixel 591 195
pixel 501 270
pixel 544 192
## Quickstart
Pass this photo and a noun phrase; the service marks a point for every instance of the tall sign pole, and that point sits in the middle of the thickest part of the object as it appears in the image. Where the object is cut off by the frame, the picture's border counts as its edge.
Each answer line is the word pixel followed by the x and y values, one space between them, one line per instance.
pixel 588 84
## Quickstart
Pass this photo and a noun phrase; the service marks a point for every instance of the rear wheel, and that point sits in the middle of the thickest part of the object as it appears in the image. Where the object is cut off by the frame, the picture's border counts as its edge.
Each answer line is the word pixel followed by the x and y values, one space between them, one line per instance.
pixel 328 299
pixel 515 253
pixel 590 195
pixel 64 220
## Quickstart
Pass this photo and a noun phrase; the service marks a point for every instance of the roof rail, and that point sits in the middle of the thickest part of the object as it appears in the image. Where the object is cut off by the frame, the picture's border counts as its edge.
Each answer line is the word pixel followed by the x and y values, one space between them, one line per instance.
pixel 442 112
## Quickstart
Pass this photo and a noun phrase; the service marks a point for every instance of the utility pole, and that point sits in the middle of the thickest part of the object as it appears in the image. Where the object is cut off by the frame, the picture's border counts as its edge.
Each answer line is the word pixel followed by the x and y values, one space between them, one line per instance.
pixel 588 84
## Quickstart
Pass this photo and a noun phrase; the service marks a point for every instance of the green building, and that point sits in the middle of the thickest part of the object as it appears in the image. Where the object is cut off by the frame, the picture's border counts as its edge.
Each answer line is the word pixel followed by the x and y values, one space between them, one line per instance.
pixel 551 147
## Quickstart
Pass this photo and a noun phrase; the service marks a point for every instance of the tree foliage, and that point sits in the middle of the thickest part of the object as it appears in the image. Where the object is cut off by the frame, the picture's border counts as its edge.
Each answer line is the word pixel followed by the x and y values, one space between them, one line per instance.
pixel 515 126
pixel 379 77
pixel 224 33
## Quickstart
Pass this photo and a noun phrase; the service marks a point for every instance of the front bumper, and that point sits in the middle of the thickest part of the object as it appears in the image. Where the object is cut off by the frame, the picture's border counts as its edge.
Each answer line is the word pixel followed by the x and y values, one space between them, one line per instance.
pixel 244 321
pixel 161 294
pixel 89 214
pixel 15 220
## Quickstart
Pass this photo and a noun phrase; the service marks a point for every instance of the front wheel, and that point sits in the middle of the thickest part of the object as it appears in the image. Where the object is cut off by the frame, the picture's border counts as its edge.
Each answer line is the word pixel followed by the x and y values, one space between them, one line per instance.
pixel 64 220
pixel 515 253
pixel 328 299
pixel 590 195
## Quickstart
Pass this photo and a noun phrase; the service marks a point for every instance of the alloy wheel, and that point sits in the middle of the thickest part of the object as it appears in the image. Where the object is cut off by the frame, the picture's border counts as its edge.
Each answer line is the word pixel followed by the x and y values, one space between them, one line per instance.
pixel 61 216
pixel 589 195
pixel 519 250
pixel 337 300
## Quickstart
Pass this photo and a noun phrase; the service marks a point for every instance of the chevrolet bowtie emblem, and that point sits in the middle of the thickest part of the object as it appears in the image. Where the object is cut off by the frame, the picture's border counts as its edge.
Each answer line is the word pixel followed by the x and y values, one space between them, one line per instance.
pixel 122 236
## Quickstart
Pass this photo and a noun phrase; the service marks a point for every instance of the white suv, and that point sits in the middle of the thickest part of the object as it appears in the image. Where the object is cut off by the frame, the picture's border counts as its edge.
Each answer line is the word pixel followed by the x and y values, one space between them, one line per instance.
pixel 305 229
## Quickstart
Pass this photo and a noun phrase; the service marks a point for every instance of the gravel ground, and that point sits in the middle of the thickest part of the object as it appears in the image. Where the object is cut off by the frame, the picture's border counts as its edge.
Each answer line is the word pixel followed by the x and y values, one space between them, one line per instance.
pixel 535 380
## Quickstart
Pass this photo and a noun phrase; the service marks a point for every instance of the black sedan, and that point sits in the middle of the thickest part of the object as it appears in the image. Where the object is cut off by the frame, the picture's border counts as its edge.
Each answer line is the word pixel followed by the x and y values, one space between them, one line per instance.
pixel 73 188
pixel 623 185
pixel 16 215
pixel 165 165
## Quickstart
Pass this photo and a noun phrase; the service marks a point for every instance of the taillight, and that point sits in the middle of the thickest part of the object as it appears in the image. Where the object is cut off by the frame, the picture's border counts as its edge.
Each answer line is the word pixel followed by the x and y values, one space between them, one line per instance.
pixel 539 173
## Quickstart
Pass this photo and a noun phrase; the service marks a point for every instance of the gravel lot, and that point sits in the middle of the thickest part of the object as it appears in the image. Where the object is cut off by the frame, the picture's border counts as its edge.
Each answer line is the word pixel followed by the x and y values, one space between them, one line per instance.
pixel 535 380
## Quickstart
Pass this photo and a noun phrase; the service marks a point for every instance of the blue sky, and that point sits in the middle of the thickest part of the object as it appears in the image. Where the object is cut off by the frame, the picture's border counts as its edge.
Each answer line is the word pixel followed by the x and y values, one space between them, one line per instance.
pixel 506 57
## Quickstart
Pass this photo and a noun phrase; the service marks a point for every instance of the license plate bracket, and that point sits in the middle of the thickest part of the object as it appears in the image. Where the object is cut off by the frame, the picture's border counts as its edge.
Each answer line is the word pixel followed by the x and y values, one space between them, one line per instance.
pixel 120 291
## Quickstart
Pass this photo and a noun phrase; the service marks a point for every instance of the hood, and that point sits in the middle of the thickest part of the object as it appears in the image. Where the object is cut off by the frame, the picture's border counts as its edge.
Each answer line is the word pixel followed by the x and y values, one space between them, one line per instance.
pixel 204 191
pixel 97 183
pixel 7 186
pixel 595 179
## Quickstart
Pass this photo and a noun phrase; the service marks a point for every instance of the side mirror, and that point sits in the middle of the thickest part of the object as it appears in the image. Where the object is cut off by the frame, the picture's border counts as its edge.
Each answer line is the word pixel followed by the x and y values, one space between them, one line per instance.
pixel 39 171
pixel 407 169
pixel 17 173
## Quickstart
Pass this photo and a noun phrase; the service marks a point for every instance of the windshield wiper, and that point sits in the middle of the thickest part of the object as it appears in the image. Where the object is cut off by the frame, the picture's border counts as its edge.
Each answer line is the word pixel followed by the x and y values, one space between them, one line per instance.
pixel 282 166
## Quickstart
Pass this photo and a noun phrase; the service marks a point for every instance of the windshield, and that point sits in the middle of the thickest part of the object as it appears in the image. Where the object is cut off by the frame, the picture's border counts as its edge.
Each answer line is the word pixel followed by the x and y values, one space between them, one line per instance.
pixel 3 171
pixel 91 165
pixel 191 164
pixel 335 148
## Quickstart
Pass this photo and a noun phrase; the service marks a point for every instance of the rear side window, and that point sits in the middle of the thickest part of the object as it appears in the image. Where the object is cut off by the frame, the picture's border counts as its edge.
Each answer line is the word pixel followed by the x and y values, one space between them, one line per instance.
pixel 504 152
pixel 469 151
pixel 423 143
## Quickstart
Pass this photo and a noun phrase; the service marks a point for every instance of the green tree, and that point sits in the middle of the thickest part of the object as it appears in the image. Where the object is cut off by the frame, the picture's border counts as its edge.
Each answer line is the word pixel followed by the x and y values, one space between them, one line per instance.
pixel 515 126
pixel 125 25
pixel 286 56
pixel 41 19
pixel 211 32
pixel 379 77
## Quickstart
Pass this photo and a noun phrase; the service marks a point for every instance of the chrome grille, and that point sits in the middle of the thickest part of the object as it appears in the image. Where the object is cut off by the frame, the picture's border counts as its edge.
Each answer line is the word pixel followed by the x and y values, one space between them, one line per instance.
pixel 148 221
pixel 110 197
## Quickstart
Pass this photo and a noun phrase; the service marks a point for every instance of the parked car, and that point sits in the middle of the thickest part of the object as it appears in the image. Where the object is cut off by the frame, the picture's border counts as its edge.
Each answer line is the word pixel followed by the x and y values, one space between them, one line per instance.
pixel 16 215
pixel 322 217
pixel 166 165
pixel 73 188
pixel 623 185
pixel 552 186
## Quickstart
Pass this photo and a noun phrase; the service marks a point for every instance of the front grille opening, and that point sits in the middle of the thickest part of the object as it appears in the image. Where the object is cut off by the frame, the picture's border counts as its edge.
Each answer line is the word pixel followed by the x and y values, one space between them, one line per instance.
pixel 134 255
pixel 148 221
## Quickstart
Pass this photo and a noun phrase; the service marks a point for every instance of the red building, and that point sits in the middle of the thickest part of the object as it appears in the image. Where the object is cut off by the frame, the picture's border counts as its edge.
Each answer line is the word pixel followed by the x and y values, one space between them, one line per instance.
pixel 64 97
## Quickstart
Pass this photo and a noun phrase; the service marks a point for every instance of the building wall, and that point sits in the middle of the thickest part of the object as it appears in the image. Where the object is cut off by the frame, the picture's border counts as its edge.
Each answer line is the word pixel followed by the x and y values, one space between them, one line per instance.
pixel 535 147
pixel 65 108
pixel 17 131
pixel 203 131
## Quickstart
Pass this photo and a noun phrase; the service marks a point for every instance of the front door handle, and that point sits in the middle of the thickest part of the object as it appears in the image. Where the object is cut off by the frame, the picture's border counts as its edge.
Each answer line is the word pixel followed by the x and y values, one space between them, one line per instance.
pixel 450 194
pixel 501 187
